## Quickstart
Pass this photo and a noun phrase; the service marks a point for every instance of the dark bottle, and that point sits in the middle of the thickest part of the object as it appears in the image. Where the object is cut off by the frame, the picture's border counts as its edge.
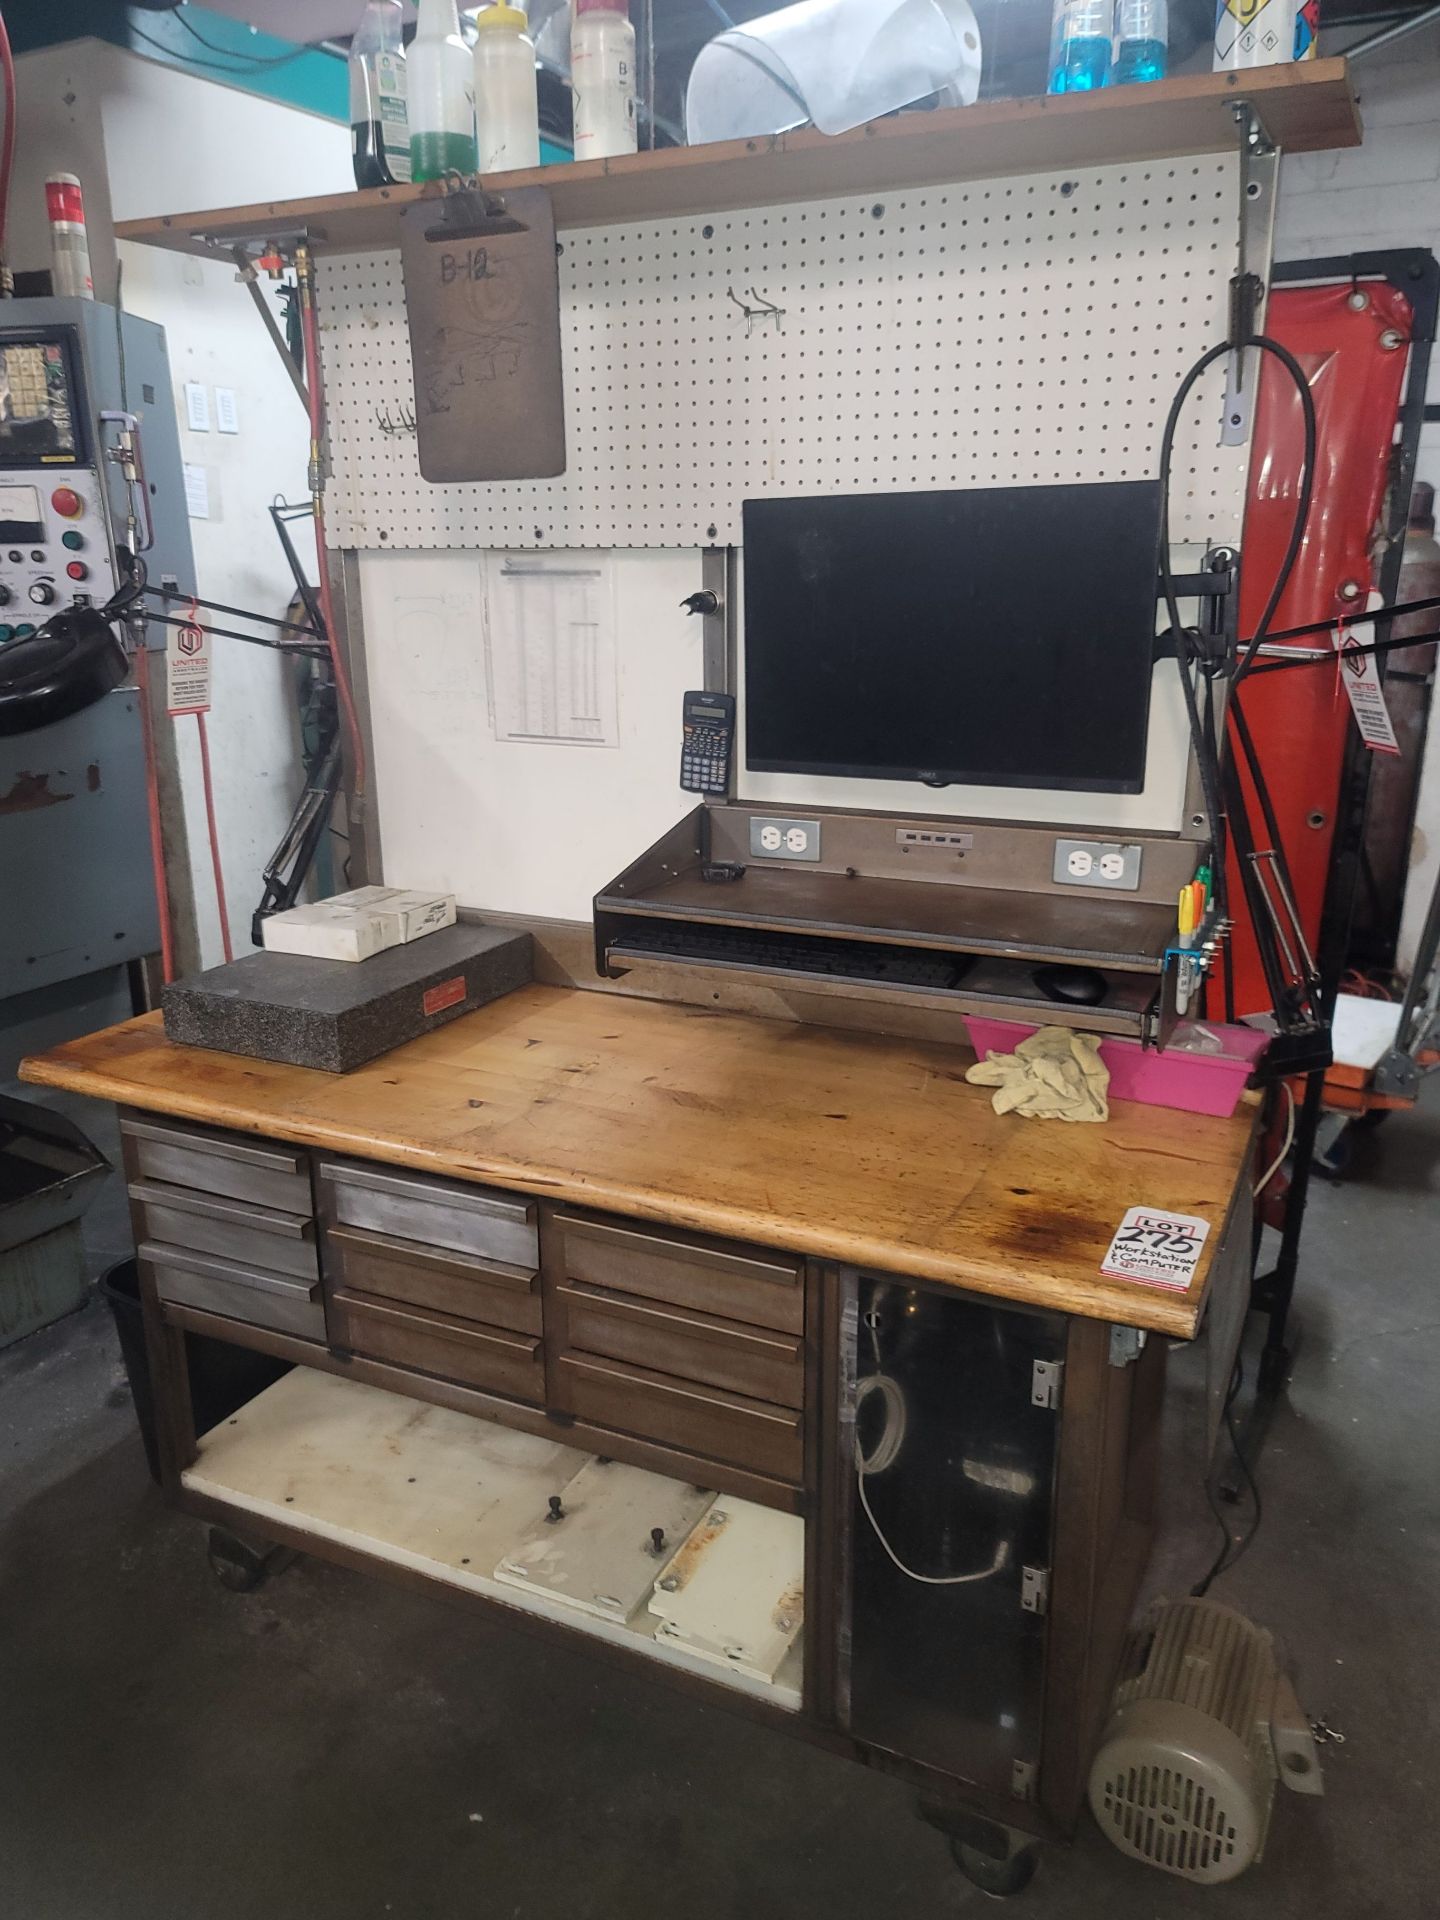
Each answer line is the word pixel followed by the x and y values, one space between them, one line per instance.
pixel 379 124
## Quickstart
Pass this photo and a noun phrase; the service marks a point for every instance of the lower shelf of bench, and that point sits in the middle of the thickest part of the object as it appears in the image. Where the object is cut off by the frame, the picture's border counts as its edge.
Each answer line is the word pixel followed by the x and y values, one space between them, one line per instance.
pixel 440 1493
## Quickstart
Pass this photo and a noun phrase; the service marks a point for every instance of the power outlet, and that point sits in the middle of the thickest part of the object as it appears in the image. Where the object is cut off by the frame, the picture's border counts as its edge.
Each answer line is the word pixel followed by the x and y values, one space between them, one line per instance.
pixel 1097 863
pixel 784 839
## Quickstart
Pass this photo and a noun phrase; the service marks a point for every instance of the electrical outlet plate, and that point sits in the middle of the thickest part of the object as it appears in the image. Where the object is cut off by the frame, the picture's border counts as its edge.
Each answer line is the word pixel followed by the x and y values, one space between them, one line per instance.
pixel 775 839
pixel 1098 863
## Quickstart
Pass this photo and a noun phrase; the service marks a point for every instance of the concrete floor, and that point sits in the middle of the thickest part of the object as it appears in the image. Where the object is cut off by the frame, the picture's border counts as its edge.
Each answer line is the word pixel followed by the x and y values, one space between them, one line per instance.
pixel 332 1746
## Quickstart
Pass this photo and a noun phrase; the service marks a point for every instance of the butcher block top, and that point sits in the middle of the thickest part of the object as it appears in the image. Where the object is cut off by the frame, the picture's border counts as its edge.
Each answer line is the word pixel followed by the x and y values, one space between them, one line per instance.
pixel 847 1146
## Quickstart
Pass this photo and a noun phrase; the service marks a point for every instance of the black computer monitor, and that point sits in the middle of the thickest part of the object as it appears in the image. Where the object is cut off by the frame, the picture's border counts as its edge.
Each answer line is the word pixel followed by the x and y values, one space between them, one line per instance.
pixel 1000 637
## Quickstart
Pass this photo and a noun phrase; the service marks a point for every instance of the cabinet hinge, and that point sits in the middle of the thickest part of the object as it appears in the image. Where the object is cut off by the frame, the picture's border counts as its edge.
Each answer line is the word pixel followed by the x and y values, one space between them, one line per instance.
pixel 1126 1345
pixel 1045 1379
pixel 1035 1589
pixel 1022 1779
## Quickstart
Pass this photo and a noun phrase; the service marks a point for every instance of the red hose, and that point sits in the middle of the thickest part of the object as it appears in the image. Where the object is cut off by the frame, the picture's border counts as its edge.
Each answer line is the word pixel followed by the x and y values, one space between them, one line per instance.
pixel 316 398
pixel 7 149
pixel 152 809
pixel 214 837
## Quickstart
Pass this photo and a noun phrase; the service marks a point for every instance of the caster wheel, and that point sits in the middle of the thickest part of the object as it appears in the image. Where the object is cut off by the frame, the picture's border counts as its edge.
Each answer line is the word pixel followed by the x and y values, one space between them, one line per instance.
pixel 235 1565
pixel 1000 1878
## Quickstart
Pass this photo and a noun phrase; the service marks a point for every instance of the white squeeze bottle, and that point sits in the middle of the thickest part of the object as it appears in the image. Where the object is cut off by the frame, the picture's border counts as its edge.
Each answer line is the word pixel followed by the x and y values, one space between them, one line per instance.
pixel 507 111
pixel 602 77
pixel 440 84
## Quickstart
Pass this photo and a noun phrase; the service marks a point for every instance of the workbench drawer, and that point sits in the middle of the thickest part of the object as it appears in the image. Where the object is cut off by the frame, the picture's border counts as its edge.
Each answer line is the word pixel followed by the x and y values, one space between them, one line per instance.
pixel 219 1163
pixel 433 1213
pixel 251 1235
pixel 755 1361
pixel 460 1284
pixel 732 1281
pixel 461 1350
pixel 697 1419
pixel 240 1293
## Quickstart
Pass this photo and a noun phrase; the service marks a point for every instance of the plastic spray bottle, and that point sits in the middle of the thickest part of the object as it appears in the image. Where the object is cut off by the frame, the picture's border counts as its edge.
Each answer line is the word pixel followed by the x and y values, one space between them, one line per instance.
pixel 440 87
pixel 379 127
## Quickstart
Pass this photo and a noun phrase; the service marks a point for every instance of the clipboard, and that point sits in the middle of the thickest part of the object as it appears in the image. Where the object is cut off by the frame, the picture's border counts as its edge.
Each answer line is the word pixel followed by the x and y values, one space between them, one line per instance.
pixel 482 295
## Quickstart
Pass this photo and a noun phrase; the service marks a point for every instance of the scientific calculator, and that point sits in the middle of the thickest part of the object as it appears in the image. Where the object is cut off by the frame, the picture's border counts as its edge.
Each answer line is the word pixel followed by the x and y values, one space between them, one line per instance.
pixel 706 741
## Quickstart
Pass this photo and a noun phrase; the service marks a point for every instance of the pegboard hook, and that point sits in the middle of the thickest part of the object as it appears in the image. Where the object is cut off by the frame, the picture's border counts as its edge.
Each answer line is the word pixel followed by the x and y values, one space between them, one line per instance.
pixel 762 310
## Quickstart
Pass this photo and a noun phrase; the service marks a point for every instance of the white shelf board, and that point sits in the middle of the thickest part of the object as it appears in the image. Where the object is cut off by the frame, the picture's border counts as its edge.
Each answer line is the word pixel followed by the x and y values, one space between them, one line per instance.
pixel 441 1493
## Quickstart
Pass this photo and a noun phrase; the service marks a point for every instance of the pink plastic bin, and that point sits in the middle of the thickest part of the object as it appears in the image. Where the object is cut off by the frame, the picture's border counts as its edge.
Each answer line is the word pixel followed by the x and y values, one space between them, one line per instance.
pixel 1193 1082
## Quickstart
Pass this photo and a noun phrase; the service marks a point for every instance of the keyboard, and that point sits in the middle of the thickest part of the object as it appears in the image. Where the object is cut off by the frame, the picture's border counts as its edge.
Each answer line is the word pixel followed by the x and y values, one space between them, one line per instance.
pixel 862 960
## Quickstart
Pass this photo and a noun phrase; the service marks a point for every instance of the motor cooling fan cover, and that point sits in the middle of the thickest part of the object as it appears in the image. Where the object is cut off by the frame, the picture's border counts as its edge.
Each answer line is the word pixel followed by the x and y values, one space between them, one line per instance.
pixel 1173 1787
pixel 1202 1725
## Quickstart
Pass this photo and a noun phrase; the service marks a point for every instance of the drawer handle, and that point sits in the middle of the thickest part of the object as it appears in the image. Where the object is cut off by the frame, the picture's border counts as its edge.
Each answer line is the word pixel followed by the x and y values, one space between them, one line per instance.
pixel 266 1158
pixel 462 1266
pixel 182 1260
pixel 158 1193
pixel 466 1336
pixel 426 1193
pixel 684 1252
pixel 727 1403
pixel 760 1340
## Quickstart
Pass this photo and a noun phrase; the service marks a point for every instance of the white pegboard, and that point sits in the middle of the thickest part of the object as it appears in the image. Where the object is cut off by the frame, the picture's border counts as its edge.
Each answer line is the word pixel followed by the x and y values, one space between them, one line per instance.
pixel 1003 332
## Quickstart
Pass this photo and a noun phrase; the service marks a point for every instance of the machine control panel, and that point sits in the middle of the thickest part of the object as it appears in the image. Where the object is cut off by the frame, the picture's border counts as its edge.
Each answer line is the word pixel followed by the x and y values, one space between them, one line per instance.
pixel 54 542
pixel 51 555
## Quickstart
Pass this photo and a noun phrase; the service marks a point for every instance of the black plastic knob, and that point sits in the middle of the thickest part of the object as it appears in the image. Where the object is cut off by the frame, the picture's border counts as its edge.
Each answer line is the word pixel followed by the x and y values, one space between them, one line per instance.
pixel 42 593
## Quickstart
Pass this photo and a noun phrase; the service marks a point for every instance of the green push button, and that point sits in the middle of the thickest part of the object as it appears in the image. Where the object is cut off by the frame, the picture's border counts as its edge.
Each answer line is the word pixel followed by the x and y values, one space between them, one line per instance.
pixel 23 631
pixel 72 539
pixel 6 633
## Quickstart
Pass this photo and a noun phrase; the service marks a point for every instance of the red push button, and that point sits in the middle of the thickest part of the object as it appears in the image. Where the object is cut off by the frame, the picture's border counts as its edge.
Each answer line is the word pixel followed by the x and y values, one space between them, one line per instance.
pixel 67 503
pixel 78 570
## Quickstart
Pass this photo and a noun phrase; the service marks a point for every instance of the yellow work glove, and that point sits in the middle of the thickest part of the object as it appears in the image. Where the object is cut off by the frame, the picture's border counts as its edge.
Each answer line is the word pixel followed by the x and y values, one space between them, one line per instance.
pixel 1056 1074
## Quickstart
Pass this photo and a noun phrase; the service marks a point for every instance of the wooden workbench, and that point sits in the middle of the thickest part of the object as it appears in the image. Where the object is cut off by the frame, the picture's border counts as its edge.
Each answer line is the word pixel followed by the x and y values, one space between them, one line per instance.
pixel 625 1259
pixel 842 1146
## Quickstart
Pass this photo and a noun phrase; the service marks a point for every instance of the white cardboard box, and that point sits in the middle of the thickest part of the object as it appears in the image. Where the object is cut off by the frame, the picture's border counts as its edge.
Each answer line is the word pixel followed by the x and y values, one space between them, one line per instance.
pixel 417 913
pixel 358 924
pixel 327 931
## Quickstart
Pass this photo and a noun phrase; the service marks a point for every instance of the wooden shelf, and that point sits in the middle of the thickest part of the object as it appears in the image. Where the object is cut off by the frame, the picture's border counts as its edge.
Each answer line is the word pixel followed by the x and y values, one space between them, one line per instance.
pixel 1304 108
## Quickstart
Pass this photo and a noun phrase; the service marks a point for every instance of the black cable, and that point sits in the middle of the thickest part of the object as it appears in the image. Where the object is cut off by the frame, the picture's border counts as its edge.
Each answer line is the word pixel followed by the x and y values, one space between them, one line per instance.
pixel 1209 771
pixel 175 596
pixel 212 66
pixel 1373 649
pixel 236 53
pixel 1302 499
pixel 1232 1550
pixel 1358 619
pixel 1208 757
pixel 316 652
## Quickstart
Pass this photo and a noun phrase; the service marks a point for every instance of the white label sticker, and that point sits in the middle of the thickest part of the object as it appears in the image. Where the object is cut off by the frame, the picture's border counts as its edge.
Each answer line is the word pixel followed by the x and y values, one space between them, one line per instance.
pixel 1363 687
pixel 197 492
pixel 187 670
pixel 1156 1249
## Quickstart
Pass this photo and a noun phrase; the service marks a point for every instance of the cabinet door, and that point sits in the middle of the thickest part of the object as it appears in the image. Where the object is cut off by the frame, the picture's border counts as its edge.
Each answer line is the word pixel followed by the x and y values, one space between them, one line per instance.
pixel 950 1457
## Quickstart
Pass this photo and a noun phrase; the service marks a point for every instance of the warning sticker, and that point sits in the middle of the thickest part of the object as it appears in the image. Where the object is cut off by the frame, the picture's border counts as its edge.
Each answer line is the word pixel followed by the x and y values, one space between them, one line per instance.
pixel 1156 1249
pixel 187 669
pixel 1365 691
